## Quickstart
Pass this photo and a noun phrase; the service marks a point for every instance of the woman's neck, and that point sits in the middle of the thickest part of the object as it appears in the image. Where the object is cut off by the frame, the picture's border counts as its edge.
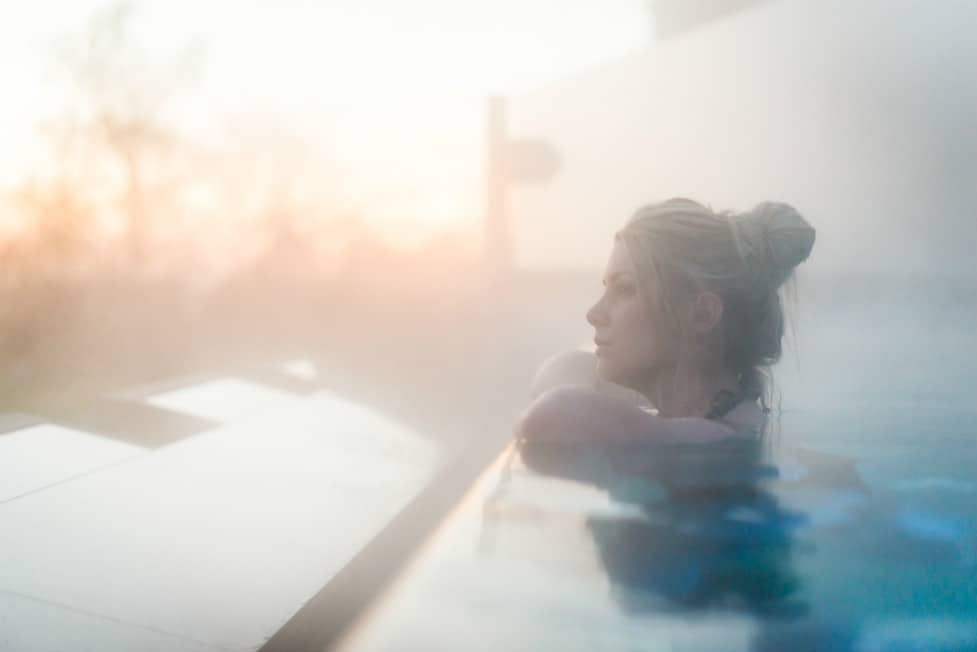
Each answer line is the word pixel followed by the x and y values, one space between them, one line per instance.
pixel 686 392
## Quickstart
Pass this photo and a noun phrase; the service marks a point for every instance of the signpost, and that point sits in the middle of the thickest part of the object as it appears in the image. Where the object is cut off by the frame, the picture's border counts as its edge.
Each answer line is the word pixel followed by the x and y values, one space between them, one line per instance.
pixel 509 162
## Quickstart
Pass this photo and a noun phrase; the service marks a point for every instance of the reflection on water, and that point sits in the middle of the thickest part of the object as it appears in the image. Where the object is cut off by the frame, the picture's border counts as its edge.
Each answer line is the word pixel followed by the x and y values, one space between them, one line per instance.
pixel 791 536
pixel 709 534
pixel 703 551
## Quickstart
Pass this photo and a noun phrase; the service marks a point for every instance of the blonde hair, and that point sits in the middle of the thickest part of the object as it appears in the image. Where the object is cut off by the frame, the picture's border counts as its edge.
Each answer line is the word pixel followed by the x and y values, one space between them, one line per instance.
pixel 744 258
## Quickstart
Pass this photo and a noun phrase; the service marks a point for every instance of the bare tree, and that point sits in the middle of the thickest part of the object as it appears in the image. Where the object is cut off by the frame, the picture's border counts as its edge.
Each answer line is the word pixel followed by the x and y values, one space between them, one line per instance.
pixel 115 130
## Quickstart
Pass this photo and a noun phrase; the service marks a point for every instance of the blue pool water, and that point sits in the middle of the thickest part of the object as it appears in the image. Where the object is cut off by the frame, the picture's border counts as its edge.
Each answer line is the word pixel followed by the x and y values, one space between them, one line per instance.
pixel 576 548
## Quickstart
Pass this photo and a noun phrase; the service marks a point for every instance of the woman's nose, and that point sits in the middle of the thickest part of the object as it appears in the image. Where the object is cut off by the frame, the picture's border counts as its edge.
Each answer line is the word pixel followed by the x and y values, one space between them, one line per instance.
pixel 596 315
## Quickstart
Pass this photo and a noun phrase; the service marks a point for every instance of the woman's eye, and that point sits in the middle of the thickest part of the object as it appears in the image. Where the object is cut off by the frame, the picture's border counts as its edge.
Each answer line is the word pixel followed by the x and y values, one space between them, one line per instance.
pixel 622 290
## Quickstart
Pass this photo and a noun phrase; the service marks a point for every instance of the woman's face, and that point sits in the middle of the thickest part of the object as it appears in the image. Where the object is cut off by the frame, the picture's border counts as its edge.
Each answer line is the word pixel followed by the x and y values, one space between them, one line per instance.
pixel 627 321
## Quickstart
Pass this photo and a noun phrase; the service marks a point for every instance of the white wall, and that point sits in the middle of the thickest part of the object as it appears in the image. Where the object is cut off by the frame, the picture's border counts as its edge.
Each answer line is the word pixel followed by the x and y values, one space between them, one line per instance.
pixel 863 115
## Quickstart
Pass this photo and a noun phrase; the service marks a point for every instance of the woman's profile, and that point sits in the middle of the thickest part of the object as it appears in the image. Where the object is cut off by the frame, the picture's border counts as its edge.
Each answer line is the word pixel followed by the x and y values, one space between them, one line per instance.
pixel 686 329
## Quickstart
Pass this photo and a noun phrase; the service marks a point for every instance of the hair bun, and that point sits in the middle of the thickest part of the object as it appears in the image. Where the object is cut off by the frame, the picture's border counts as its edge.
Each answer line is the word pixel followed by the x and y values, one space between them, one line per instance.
pixel 776 238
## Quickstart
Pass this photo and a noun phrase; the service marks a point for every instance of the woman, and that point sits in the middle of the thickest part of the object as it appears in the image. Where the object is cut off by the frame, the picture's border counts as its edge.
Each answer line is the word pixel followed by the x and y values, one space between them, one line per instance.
pixel 689 322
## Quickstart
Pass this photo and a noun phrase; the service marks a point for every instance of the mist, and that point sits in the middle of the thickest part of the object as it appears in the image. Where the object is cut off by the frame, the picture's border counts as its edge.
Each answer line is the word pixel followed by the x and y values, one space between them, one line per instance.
pixel 296 267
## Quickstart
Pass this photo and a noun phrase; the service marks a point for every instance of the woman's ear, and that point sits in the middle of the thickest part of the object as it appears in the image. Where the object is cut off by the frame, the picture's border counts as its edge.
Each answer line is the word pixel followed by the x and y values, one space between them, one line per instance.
pixel 707 312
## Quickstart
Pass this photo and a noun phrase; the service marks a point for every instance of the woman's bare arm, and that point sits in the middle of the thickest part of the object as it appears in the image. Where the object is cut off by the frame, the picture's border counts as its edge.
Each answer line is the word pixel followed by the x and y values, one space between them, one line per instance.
pixel 578 413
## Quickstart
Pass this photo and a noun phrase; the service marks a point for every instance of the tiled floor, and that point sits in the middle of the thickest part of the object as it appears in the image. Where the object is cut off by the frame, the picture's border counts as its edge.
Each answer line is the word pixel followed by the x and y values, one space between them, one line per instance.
pixel 211 542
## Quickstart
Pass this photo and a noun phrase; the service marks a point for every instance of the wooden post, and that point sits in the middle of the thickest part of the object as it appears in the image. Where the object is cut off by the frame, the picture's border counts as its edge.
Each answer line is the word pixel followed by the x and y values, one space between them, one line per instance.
pixel 498 239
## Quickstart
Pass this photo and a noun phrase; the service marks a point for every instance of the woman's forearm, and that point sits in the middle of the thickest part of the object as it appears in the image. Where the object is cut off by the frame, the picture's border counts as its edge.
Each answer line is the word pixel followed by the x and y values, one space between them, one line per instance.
pixel 575 413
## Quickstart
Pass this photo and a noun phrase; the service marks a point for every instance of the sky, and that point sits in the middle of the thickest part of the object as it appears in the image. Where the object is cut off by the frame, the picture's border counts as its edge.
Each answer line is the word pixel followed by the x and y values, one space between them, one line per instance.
pixel 390 96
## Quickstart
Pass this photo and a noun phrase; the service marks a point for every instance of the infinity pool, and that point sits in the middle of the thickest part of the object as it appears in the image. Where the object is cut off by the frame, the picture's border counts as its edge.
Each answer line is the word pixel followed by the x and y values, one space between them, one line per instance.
pixel 828 545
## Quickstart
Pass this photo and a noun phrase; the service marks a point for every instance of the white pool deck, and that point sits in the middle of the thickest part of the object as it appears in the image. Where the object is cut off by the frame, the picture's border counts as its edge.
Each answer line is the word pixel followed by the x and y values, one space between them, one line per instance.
pixel 209 543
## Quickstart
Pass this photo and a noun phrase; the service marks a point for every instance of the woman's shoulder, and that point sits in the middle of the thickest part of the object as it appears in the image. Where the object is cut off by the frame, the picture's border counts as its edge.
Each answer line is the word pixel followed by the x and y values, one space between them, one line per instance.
pixel 565 368
pixel 577 367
